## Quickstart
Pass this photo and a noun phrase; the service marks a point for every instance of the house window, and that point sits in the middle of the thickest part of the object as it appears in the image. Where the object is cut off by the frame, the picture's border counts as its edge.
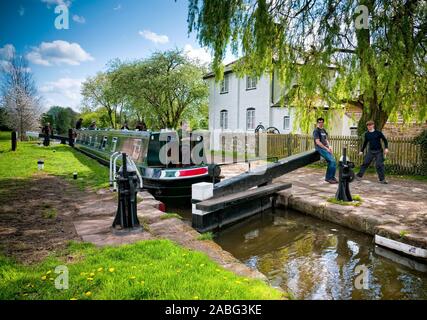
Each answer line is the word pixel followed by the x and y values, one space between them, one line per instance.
pixel 250 119
pixel 286 123
pixel 251 83
pixel 223 121
pixel 225 84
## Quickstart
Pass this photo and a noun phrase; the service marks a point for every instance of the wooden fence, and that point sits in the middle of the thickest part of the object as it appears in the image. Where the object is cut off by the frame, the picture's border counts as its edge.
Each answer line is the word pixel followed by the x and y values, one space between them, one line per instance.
pixel 404 156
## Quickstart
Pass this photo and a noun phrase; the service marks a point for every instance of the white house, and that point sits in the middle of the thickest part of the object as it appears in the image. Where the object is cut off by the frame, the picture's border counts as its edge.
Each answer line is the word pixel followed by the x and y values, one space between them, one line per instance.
pixel 241 104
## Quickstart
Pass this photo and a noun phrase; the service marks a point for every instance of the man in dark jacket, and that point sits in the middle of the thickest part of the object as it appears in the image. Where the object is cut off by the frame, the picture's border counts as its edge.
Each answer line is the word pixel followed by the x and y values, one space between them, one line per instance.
pixel 322 146
pixel 375 151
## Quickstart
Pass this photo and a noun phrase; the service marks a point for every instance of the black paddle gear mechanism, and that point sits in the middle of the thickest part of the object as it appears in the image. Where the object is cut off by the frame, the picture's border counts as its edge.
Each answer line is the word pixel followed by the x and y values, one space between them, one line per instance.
pixel 346 175
pixel 127 181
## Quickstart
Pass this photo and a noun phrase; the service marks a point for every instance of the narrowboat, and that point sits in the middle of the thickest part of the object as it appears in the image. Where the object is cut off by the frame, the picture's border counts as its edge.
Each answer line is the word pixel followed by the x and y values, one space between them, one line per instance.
pixel 165 174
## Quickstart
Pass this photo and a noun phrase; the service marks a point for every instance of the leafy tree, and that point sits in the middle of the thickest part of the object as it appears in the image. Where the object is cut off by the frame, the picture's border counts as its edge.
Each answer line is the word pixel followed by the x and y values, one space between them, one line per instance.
pixel 326 49
pixel 163 90
pixel 60 118
pixel 98 92
pixel 100 116
pixel 19 97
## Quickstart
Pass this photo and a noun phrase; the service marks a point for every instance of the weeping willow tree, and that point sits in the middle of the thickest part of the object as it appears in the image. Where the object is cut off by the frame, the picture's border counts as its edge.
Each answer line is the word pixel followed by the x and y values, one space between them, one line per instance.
pixel 367 53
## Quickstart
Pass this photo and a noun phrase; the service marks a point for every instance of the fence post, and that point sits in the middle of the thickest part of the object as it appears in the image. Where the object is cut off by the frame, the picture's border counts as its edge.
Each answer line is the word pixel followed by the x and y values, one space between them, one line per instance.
pixel 234 149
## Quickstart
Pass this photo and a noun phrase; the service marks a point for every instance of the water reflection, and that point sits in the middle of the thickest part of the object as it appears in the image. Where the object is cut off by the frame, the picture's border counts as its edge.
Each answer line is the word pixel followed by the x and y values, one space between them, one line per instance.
pixel 314 259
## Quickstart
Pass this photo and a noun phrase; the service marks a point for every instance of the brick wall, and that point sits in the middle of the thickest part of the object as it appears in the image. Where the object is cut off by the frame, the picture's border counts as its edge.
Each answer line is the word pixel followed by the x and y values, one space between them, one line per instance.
pixel 403 131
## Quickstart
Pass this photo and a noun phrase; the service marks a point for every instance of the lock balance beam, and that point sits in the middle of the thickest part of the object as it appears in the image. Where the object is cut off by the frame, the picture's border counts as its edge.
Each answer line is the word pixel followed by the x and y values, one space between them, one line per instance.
pixel 220 211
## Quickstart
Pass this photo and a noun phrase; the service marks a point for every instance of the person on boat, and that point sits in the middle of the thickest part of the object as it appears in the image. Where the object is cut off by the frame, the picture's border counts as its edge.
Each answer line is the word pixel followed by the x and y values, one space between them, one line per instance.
pixel 125 126
pixel 47 133
pixel 323 147
pixel 92 125
pixel 79 124
pixel 373 137
pixel 141 126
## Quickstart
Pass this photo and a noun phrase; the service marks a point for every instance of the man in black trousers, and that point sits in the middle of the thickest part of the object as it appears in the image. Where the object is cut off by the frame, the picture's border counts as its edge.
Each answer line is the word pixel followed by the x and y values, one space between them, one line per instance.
pixel 375 151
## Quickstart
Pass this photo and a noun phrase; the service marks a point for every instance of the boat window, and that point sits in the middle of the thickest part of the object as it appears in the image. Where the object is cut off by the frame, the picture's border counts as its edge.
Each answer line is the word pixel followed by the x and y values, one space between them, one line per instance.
pixel 104 143
pixel 114 144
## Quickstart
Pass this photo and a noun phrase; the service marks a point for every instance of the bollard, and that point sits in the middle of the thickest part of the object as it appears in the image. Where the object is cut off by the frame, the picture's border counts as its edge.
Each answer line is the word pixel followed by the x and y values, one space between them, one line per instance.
pixel 71 137
pixel 14 140
pixel 346 175
pixel 127 180
pixel 40 164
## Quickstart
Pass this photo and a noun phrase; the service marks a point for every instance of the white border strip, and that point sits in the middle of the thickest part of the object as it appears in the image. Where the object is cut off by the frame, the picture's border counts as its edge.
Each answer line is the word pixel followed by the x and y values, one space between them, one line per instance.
pixel 402 247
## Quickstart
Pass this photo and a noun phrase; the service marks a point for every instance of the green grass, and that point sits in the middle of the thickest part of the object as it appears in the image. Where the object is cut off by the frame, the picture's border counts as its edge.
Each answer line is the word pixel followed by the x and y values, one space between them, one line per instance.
pixel 170 216
pixel 50 213
pixel 357 201
pixel 206 236
pixel 59 160
pixel 155 269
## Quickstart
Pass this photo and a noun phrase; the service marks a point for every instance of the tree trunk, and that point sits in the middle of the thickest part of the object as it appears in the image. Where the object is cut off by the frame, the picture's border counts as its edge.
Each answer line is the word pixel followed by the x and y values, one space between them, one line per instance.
pixel 374 113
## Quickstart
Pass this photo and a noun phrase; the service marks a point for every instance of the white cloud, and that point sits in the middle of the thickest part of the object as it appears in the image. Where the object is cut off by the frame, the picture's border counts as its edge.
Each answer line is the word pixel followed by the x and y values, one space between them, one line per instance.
pixel 55 3
pixel 7 52
pixel 119 7
pixel 200 54
pixel 79 19
pixel 21 11
pixel 63 92
pixel 58 52
pixel 154 37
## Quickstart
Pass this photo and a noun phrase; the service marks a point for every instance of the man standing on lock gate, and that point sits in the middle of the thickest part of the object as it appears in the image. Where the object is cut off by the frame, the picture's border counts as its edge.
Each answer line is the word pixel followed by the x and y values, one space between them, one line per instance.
pixel 322 146
pixel 373 137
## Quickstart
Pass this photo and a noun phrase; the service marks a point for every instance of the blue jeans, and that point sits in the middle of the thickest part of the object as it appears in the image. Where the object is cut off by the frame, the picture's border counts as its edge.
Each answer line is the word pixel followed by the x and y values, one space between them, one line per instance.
pixel 332 164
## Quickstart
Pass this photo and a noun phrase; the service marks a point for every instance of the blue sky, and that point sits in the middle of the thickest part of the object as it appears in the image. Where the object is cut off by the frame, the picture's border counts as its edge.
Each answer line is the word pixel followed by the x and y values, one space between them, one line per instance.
pixel 99 31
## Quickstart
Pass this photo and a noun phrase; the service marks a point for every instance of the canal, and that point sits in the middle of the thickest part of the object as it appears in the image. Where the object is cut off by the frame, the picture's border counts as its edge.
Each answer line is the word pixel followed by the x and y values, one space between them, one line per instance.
pixel 314 259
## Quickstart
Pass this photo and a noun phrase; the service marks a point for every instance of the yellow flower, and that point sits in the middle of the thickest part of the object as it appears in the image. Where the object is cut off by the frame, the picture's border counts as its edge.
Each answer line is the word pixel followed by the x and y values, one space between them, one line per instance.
pixel 82 273
pixel 217 270
pixel 133 278
pixel 73 299
pixel 111 269
pixel 44 278
pixel 142 283
pixel 49 272
pixel 100 269
pixel 196 298
pixel 89 279
pixel 92 274
pixel 88 294
pixel 238 282
pixel 202 265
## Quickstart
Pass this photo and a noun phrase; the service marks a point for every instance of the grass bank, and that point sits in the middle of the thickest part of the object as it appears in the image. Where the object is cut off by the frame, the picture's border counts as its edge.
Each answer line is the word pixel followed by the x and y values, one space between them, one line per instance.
pixel 155 269
pixel 59 160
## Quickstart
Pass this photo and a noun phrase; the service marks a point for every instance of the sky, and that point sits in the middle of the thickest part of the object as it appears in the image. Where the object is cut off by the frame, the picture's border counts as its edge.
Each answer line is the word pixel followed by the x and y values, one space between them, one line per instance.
pixel 98 32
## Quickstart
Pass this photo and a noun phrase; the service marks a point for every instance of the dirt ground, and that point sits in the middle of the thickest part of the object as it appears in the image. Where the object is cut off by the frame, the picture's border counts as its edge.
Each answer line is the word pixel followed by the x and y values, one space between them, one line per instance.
pixel 36 216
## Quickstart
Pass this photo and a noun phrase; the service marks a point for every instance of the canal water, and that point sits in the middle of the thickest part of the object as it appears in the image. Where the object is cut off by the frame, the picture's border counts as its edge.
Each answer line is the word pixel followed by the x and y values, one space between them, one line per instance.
pixel 314 259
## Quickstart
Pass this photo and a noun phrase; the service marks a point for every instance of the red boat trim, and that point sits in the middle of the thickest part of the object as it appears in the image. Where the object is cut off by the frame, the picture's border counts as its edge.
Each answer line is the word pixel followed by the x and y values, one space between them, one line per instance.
pixel 193 172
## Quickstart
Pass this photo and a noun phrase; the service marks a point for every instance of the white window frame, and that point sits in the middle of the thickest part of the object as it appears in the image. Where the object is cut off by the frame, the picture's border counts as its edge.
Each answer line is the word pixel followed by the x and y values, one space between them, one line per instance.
pixel 223 119
pixel 225 84
pixel 250 119
pixel 251 83
pixel 287 126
